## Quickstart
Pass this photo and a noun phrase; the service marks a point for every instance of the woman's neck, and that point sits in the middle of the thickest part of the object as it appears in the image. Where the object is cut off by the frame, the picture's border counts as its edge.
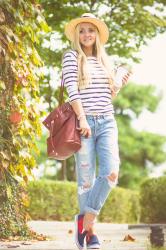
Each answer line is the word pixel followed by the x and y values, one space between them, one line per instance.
pixel 88 51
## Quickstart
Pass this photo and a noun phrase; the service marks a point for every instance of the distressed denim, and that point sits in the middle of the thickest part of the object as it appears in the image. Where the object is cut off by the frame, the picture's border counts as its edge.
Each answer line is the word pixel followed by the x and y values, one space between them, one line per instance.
pixel 102 146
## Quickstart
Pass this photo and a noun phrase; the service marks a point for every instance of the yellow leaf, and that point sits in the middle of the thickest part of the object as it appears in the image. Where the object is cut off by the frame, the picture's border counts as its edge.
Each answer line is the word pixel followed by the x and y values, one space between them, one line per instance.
pixel 128 238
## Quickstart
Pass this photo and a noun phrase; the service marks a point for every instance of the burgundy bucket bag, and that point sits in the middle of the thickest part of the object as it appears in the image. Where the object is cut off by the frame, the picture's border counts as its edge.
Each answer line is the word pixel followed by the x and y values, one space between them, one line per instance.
pixel 64 137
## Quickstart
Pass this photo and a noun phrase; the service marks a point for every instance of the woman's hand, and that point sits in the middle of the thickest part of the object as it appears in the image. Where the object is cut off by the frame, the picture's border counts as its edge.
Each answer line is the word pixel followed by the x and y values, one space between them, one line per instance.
pixel 84 127
pixel 125 79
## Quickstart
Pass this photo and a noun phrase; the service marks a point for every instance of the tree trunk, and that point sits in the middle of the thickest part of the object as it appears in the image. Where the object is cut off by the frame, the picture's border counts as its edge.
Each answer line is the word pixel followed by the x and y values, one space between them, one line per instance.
pixel 64 171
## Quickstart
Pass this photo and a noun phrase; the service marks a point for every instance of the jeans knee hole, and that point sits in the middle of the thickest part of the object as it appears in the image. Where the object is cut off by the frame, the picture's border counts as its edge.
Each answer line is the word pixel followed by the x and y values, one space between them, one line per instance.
pixel 84 188
pixel 113 176
pixel 84 165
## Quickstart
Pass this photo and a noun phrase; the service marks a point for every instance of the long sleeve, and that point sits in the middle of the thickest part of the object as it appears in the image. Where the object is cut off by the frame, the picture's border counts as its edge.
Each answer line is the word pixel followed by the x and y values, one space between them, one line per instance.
pixel 70 75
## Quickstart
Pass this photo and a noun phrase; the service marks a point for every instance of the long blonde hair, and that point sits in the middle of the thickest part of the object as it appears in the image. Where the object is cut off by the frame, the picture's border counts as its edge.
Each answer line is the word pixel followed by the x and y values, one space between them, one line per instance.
pixel 84 79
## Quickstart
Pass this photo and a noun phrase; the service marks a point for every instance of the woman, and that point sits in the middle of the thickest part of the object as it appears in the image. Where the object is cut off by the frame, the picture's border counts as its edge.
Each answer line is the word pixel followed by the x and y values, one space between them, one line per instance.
pixel 89 80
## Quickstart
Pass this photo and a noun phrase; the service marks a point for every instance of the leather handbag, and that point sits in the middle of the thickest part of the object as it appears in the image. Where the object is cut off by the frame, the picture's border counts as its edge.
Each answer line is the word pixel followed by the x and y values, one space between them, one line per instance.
pixel 64 138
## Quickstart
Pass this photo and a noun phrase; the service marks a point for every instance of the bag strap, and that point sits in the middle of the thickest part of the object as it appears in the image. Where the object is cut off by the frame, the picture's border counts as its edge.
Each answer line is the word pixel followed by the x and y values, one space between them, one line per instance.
pixel 62 87
pixel 61 91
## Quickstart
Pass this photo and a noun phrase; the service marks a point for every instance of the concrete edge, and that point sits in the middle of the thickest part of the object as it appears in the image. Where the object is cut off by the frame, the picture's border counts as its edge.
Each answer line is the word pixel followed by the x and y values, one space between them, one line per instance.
pixel 137 226
pixel 114 226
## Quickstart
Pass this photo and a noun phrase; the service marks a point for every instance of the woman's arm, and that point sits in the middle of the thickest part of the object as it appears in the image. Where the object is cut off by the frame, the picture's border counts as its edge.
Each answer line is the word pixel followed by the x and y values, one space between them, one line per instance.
pixel 84 127
pixel 70 76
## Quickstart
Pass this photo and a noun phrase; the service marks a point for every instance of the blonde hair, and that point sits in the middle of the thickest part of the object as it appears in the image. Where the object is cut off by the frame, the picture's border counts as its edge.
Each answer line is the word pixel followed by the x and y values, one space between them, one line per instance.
pixel 84 79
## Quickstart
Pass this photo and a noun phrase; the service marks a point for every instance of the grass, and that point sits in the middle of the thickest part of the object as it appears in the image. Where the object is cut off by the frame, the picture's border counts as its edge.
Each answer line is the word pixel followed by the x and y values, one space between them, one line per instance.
pixel 156 248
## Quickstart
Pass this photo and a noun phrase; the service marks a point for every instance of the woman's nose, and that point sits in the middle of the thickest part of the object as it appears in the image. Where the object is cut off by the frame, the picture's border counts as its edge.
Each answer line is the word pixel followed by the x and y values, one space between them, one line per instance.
pixel 86 33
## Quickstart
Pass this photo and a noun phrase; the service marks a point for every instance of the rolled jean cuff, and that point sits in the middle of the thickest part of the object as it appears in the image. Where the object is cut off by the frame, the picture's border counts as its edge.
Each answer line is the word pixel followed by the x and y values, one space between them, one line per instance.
pixel 91 210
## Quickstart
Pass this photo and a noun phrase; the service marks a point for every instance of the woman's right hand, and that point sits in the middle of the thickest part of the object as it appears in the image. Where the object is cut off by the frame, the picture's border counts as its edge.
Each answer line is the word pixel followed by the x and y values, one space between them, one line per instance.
pixel 84 127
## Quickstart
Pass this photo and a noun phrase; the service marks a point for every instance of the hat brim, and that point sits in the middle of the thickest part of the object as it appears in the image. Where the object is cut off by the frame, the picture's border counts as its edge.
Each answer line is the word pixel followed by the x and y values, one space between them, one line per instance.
pixel 101 26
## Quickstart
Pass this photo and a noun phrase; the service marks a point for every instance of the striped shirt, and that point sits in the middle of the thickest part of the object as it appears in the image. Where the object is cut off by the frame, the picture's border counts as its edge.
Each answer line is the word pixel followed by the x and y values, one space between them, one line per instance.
pixel 96 98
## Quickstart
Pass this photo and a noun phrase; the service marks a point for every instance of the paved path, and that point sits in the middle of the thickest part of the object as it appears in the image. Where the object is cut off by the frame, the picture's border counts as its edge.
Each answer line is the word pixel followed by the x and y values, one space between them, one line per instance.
pixel 61 236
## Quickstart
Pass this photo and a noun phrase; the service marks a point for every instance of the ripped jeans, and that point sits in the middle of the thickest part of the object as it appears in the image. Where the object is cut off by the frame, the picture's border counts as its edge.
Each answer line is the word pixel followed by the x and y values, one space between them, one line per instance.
pixel 103 144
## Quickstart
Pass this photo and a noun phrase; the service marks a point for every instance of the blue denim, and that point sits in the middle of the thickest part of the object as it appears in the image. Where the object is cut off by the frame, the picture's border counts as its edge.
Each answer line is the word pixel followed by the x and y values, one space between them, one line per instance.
pixel 103 144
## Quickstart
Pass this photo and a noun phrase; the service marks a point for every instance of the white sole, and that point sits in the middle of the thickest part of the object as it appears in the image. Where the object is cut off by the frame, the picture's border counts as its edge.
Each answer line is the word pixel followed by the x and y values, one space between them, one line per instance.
pixel 94 247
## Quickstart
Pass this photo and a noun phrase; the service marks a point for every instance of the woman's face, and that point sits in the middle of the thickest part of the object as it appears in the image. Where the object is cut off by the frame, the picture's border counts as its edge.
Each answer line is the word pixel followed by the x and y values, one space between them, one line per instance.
pixel 87 35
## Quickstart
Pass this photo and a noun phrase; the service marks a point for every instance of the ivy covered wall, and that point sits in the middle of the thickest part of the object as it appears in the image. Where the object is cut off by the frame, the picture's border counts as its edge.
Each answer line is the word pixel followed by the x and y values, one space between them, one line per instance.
pixel 21 29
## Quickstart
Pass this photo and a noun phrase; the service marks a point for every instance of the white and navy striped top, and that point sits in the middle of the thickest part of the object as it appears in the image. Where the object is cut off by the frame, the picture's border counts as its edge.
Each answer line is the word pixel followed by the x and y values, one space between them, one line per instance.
pixel 96 98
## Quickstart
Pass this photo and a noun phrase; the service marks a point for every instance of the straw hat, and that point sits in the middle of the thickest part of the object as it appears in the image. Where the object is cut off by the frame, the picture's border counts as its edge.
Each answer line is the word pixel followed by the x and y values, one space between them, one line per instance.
pixel 87 18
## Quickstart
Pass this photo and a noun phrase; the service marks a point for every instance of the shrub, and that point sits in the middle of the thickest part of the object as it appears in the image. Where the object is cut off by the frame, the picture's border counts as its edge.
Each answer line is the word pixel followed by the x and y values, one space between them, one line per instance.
pixel 153 200
pixel 55 200
pixel 52 200
pixel 122 206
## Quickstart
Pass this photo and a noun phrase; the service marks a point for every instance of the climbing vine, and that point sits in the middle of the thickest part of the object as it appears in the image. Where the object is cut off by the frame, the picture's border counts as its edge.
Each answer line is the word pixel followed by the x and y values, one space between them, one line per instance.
pixel 21 27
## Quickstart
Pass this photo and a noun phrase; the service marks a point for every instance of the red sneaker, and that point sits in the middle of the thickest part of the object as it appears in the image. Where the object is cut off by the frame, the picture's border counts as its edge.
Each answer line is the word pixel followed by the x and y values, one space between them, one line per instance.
pixel 92 242
pixel 80 233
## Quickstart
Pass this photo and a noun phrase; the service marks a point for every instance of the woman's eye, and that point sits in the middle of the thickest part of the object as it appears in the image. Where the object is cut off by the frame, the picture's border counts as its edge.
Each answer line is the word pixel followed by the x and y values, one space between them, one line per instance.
pixel 88 31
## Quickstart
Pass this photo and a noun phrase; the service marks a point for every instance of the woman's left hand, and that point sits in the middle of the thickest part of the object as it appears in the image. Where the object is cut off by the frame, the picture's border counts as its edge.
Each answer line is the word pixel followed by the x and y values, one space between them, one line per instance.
pixel 125 78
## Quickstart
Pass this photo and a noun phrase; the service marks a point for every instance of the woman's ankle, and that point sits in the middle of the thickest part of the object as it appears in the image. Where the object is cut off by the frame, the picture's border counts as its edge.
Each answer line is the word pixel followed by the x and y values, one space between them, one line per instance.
pixel 89 220
pixel 91 231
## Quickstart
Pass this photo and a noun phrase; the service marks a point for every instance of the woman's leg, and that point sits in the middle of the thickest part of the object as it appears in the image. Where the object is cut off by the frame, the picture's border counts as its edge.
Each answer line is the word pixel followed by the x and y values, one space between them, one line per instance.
pixel 85 173
pixel 85 170
pixel 108 156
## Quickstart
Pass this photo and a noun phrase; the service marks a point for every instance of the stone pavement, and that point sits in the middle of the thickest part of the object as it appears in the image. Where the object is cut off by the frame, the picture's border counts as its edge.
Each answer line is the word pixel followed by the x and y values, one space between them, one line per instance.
pixel 61 237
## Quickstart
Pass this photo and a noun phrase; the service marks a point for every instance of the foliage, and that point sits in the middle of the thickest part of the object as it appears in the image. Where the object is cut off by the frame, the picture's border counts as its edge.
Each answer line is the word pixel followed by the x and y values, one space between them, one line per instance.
pixel 19 115
pixel 124 20
pixel 13 215
pixel 52 169
pixel 21 24
pixel 41 145
pixel 13 211
pixel 155 248
pixel 138 149
pixel 153 200
pixel 134 98
pixel 124 204
pixel 55 200
pixel 50 200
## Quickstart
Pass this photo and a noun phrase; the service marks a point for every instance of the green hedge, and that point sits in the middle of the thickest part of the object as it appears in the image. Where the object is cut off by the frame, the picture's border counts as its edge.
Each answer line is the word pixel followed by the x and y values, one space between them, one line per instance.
pixel 153 200
pixel 122 206
pixel 55 200
pixel 52 200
